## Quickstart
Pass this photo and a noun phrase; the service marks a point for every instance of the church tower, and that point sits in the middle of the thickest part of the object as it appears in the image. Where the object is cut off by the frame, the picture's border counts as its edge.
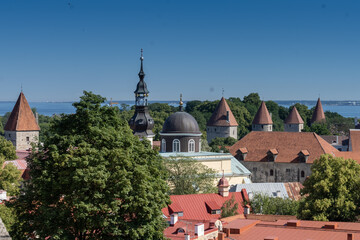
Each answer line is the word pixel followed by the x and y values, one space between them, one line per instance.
pixel 22 128
pixel 318 114
pixel 142 123
pixel 294 122
pixel 262 120
pixel 222 122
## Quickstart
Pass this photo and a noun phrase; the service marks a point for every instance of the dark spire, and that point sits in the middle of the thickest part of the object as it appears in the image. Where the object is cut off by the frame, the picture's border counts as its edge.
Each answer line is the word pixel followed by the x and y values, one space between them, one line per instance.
pixel 141 87
pixel 181 108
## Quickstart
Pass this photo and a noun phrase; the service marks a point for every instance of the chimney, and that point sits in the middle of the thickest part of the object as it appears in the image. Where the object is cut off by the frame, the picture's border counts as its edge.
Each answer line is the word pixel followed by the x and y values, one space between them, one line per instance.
pixel 278 193
pixel 350 236
pixel 187 236
pixel 37 118
pixel 331 226
pixel 199 229
pixel 227 116
pixel 271 116
pixel 173 219
pixel 3 195
pixel 247 209
pixel 221 236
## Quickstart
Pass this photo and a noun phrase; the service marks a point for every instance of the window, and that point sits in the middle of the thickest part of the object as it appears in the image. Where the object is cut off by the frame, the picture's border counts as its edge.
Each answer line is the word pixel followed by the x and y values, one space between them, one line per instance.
pixel 9 135
pixel 27 139
pixel 200 145
pixel 254 169
pixel 217 211
pixel 288 171
pixel 163 145
pixel 191 147
pixel 176 145
pixel 302 174
pixel 271 172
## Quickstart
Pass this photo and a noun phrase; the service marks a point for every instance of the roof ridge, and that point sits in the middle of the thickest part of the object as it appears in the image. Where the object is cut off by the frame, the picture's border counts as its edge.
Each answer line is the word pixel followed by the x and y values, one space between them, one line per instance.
pixel 319 142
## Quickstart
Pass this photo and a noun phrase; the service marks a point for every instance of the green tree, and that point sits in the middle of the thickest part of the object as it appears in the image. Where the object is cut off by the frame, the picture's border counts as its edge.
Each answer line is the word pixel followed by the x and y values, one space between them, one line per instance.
pixel 9 175
pixel 319 128
pixel 229 208
pixel 219 144
pixel 8 216
pixel 264 204
pixel 93 179
pixel 332 190
pixel 188 176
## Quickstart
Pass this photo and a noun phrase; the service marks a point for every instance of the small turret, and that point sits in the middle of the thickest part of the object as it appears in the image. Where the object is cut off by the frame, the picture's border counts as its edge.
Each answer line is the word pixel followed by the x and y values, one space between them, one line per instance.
pixel 318 114
pixel 294 122
pixel 223 186
pixel 262 120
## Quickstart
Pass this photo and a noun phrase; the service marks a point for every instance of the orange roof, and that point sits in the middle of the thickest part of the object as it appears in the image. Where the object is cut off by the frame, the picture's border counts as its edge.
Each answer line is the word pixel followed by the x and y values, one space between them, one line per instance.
pixel 287 144
pixel 262 116
pixel 21 118
pixel 250 230
pixel 294 117
pixel 354 140
pixel 318 114
pixel 196 206
pixel 219 116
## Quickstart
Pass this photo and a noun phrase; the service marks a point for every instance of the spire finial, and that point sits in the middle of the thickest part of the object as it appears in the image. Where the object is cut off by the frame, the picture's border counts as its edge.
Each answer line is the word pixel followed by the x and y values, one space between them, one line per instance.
pixel 21 88
pixel 181 108
pixel 141 73
pixel 222 92
pixel 223 173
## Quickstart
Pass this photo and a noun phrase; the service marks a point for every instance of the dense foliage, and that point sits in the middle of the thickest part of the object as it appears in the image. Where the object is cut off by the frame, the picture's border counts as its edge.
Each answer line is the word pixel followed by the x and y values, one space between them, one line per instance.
pixel 264 204
pixel 188 176
pixel 332 190
pixel 93 179
pixel 9 175
pixel 229 208
pixel 220 144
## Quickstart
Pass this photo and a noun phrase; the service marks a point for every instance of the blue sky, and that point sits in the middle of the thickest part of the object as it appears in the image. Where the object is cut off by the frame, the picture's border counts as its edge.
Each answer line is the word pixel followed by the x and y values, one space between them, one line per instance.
pixel 284 50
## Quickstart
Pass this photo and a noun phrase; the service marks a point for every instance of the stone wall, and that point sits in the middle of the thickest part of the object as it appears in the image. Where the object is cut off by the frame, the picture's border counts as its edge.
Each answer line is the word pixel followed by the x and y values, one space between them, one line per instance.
pixel 262 127
pixel 215 131
pixel 293 127
pixel 277 172
pixel 22 139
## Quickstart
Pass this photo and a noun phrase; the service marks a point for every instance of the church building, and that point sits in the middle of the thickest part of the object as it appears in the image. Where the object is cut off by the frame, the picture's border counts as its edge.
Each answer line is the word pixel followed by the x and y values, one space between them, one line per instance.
pixel 142 123
pixel 22 128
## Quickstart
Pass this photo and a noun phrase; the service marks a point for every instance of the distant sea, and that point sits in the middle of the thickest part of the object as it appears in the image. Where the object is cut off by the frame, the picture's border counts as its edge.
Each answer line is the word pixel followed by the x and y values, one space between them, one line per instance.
pixel 344 108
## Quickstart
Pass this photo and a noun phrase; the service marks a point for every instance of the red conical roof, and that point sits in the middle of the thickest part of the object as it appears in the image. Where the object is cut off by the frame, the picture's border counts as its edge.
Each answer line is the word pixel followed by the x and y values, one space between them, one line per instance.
pixel 219 116
pixel 21 117
pixel 294 117
pixel 318 114
pixel 262 116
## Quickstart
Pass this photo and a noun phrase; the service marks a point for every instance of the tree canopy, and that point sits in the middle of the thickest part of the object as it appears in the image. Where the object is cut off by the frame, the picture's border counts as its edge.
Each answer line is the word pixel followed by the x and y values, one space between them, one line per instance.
pixel 264 204
pixel 9 175
pixel 93 179
pixel 331 193
pixel 188 176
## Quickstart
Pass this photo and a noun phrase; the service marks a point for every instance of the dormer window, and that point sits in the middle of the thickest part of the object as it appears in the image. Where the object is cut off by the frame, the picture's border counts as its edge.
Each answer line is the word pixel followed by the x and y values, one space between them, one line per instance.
pixel 217 211
pixel 242 153
pixel 272 154
pixel 213 207
pixel 304 155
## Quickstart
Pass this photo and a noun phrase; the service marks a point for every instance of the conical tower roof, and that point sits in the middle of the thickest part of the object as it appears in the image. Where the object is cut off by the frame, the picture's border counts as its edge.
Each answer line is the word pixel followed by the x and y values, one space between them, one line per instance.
pixel 294 117
pixel 318 114
pixel 21 117
pixel 222 116
pixel 262 116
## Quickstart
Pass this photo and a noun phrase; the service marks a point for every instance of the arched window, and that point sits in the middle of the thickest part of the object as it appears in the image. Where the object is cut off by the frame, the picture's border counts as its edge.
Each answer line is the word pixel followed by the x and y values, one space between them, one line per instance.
pixel 271 172
pixel 302 174
pixel 191 147
pixel 163 145
pixel 176 145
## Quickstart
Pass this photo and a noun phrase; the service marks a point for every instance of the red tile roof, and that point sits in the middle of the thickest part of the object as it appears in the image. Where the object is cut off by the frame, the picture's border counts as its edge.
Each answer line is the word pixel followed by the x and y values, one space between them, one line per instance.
pixel 318 114
pixel 194 206
pixel 287 144
pixel 251 230
pixel 172 232
pixel 294 117
pixel 21 117
pixel 262 116
pixel 219 116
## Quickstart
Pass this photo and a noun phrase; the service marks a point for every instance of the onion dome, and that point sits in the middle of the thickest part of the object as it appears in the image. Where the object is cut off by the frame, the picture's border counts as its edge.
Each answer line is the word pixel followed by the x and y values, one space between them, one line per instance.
pixel 294 117
pixel 262 116
pixel 223 182
pixel 318 115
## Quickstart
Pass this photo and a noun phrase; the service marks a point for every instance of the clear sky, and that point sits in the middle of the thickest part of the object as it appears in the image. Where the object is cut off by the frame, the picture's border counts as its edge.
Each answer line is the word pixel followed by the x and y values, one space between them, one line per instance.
pixel 284 50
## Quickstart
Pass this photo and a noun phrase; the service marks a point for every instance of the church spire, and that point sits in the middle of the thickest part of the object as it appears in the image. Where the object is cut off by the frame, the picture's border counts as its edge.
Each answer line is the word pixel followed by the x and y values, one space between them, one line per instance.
pixel 181 107
pixel 141 88
pixel 141 73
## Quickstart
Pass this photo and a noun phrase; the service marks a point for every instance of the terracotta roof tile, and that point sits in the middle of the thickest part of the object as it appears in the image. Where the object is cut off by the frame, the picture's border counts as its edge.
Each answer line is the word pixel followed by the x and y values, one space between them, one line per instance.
pixel 294 117
pixel 194 206
pixel 262 116
pixel 288 145
pixel 219 116
pixel 21 117
pixel 318 114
